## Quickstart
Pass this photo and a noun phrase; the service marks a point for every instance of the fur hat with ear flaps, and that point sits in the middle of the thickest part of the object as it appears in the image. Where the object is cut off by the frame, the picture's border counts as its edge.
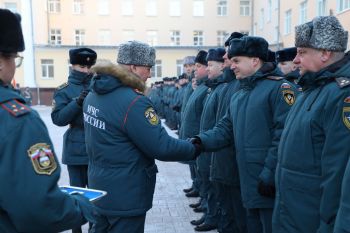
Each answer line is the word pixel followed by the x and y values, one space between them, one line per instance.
pixel 136 53
pixel 324 32
pixel 11 36
pixel 249 46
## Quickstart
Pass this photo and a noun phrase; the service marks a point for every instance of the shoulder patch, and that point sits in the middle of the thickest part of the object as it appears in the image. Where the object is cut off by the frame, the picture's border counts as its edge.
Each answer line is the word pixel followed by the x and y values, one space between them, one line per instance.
pixel 343 81
pixel 288 96
pixel 152 116
pixel 15 108
pixel 286 86
pixel 42 158
pixel 60 87
pixel 276 78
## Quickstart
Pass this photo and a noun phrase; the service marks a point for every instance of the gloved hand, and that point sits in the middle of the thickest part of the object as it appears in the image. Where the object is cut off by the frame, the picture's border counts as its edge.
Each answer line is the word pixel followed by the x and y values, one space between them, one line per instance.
pixel 88 210
pixel 197 143
pixel 80 99
pixel 266 190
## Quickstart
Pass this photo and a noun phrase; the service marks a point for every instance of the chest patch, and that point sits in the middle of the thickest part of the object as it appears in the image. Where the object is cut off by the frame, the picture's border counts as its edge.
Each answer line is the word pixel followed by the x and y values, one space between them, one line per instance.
pixel 42 158
pixel 152 116
pixel 346 112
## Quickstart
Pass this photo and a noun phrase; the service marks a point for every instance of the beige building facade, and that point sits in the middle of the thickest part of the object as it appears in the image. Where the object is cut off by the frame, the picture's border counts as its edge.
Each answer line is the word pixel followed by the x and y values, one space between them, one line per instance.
pixel 176 28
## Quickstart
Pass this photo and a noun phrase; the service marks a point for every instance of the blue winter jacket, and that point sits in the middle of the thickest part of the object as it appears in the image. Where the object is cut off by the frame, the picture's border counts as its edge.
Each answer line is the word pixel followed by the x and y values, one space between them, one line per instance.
pixel 255 120
pixel 124 136
pixel 313 153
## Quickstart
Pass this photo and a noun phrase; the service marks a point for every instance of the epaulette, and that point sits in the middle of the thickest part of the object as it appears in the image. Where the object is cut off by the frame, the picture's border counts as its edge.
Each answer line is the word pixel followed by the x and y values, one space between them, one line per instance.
pixel 15 108
pixel 138 91
pixel 343 81
pixel 60 87
pixel 276 78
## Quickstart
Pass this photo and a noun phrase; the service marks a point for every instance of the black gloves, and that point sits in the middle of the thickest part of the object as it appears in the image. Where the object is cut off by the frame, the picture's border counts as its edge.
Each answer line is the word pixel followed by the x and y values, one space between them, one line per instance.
pixel 197 142
pixel 266 190
pixel 89 211
pixel 81 97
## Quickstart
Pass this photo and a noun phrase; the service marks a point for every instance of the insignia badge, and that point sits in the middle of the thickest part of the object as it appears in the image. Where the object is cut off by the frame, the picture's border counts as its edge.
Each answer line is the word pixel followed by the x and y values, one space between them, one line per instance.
pixel 286 86
pixel 289 96
pixel 346 116
pixel 152 116
pixel 42 158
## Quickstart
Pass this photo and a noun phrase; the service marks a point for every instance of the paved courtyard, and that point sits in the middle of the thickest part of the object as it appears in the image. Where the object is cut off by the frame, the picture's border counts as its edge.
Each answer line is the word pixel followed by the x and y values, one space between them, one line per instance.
pixel 170 212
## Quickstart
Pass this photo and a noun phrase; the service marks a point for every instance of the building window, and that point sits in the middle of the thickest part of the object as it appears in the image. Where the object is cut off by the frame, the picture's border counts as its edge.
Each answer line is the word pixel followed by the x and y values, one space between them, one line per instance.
pixel 156 71
pixel 47 68
pixel 151 8
pixel 174 37
pixel 103 7
pixel 198 38
pixel 127 7
pixel 179 67
pixel 343 5
pixel 104 37
pixel 321 7
pixel 128 35
pixel 288 22
pixel 269 11
pixel 174 8
pixel 244 8
pixel 12 6
pixel 55 37
pixel 276 34
pixel 152 37
pixel 221 38
pixel 78 7
pixel 262 19
pixel 79 37
pixel 198 8
pixel 303 12
pixel 222 7
pixel 54 6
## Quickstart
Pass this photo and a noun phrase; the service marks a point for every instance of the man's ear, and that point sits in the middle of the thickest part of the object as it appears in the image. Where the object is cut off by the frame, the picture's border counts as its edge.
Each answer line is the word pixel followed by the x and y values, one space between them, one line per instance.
pixel 325 55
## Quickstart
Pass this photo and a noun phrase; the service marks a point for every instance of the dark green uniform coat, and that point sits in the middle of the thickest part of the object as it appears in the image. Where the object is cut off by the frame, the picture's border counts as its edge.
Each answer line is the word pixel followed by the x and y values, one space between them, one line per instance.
pixel 313 153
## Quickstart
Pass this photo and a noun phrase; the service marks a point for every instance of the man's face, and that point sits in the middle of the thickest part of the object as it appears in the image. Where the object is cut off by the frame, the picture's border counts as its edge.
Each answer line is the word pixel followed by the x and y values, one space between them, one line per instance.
pixel 188 68
pixel 214 69
pixel 227 61
pixel 8 67
pixel 144 72
pixel 81 68
pixel 243 66
pixel 200 71
pixel 286 66
pixel 308 60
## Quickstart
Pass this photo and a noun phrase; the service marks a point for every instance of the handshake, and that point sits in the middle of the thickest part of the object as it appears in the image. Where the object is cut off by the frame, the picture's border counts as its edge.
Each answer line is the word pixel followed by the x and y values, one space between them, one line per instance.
pixel 197 143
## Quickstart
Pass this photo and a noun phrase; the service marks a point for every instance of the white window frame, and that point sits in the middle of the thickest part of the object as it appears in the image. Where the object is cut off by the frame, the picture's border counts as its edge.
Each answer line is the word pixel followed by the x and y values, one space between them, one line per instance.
pixel 221 37
pixel 221 8
pixel 244 10
pixel 12 6
pixel 269 11
pixel 47 68
pixel 152 37
pixel 175 8
pixel 303 12
pixel 79 37
pixel 55 37
pixel 103 7
pixel 78 7
pixel 128 35
pixel 156 70
pixel 198 8
pixel 343 5
pixel 198 38
pixel 104 37
pixel 151 8
pixel 288 22
pixel 262 19
pixel 127 8
pixel 175 37
pixel 54 6
pixel 179 67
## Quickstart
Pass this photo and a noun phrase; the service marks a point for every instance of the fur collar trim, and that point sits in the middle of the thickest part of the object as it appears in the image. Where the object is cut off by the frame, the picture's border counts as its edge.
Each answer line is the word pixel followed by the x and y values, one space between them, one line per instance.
pixel 119 72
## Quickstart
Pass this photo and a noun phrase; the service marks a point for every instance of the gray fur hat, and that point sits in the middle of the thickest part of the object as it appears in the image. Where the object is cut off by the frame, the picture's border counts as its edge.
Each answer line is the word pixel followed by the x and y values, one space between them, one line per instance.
pixel 324 32
pixel 136 53
pixel 189 60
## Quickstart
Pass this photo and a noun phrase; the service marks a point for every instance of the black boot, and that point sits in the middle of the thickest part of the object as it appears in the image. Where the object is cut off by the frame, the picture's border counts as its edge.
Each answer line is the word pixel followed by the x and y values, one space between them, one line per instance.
pixel 198 222
pixel 205 227
pixel 193 193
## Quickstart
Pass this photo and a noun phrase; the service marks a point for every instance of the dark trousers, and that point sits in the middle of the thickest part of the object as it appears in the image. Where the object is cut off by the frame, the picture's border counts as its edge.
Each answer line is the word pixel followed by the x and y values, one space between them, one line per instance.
pixel 194 177
pixel 233 216
pixel 212 215
pixel 259 220
pixel 78 177
pixel 107 224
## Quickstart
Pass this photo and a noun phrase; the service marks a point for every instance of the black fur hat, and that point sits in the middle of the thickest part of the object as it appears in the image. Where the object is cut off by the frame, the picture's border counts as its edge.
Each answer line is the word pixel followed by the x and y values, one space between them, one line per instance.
pixel 271 56
pixel 82 56
pixel 202 58
pixel 11 36
pixel 287 54
pixel 233 36
pixel 216 55
pixel 249 46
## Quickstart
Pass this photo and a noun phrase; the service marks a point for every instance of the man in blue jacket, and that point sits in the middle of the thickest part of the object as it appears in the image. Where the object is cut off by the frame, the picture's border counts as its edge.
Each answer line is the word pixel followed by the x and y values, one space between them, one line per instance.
pixel 314 147
pixel 254 120
pixel 30 200
pixel 67 110
pixel 124 136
